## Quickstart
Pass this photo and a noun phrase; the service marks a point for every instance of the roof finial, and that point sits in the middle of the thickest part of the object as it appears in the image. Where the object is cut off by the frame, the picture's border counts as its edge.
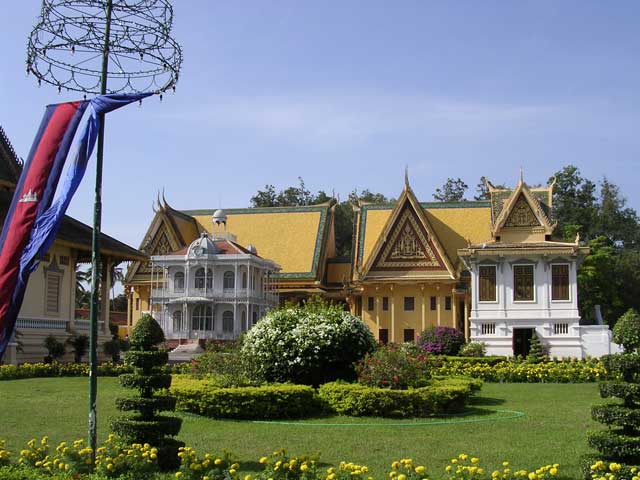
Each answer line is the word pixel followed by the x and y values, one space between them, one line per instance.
pixel 159 203
pixel 521 175
pixel 406 176
pixel 164 200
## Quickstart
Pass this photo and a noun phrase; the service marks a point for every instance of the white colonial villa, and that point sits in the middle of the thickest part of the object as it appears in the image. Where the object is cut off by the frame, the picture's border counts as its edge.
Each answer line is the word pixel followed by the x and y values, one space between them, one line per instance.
pixel 212 289
pixel 523 282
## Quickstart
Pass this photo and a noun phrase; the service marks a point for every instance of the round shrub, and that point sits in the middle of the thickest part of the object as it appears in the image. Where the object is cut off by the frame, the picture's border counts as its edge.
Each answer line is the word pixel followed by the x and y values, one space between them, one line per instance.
pixel 441 340
pixel 473 349
pixel 626 331
pixel 147 334
pixel 395 368
pixel 309 344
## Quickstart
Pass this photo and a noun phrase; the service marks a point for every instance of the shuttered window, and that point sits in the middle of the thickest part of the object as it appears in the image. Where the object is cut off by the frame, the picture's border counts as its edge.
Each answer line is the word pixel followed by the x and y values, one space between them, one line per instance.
pixel 487 283
pixel 53 293
pixel 523 283
pixel 560 282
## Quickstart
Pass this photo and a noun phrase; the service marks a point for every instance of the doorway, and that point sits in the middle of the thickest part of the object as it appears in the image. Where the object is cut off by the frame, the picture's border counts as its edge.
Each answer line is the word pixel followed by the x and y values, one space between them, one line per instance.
pixel 522 341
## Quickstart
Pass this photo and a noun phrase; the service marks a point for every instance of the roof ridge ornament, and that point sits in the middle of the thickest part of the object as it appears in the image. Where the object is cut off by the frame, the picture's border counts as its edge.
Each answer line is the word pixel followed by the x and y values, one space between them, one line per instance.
pixel 406 176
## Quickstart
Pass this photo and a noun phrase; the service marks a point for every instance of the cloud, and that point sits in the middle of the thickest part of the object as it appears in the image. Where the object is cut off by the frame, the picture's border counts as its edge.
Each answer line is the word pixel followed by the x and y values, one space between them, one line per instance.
pixel 328 119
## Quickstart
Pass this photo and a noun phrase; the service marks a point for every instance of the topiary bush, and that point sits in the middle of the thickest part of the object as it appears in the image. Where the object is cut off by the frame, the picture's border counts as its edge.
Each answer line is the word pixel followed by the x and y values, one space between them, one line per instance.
pixel 473 349
pixel 441 340
pixel 626 331
pixel 309 344
pixel 536 350
pixel 80 345
pixel 621 441
pixel 145 425
pixel 55 349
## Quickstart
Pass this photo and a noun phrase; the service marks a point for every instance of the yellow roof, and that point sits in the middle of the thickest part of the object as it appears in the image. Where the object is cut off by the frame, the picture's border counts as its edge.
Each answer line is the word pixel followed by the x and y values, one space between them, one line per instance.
pixel 293 237
pixel 453 224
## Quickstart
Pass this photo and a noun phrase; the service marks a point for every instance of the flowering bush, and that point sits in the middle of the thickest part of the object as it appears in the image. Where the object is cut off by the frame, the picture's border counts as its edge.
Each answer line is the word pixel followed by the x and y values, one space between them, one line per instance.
pixel 601 470
pixel 393 367
pixel 309 344
pixel 206 467
pixel 441 340
pixel 280 466
pixel 473 349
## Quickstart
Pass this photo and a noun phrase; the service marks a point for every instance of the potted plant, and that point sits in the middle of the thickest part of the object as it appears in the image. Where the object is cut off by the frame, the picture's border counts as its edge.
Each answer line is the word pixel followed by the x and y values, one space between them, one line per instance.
pixel 80 345
pixel 55 349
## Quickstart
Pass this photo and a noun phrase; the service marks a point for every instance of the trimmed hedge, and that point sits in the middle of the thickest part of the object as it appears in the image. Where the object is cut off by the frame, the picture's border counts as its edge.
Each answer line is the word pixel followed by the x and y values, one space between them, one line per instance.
pixel 146 406
pixel 626 391
pixel 359 400
pixel 144 383
pixel 145 359
pixel 265 402
pixel 147 431
pixel 616 414
pixel 618 446
pixel 55 369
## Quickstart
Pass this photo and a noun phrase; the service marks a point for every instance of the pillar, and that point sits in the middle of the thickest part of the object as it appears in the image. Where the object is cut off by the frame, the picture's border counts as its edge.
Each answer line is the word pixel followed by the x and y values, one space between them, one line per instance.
pixel 392 337
pixel 466 320
pixel 423 309
pixel 438 305
pixel 454 309
pixel 104 294
pixel 377 312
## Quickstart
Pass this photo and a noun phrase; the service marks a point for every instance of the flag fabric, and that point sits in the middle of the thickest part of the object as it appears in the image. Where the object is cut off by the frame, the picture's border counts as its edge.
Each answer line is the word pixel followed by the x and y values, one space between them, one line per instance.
pixel 34 217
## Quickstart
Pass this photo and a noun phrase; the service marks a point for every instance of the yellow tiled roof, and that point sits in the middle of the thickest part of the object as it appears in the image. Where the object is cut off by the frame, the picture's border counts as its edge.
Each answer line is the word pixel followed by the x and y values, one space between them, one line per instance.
pixel 453 223
pixel 292 237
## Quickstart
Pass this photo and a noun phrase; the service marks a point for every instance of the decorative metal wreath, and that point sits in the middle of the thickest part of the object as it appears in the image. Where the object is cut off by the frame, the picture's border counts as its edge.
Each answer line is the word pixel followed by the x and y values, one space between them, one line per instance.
pixel 65 48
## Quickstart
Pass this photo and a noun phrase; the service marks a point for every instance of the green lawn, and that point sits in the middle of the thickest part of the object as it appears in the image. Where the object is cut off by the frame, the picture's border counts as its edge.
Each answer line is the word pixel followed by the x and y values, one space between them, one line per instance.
pixel 552 431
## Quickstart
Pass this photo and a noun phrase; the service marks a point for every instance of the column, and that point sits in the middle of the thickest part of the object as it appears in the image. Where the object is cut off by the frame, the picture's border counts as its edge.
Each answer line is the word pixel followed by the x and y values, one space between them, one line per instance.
pixel 235 317
pixel 454 308
pixel 423 307
pixel 377 333
pixel 466 320
pixel 392 337
pixel 104 292
pixel 438 305
pixel 72 293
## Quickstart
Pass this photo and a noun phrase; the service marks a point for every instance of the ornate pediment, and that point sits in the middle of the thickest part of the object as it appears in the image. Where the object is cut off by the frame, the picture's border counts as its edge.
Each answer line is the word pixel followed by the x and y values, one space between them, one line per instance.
pixel 408 247
pixel 159 246
pixel 522 215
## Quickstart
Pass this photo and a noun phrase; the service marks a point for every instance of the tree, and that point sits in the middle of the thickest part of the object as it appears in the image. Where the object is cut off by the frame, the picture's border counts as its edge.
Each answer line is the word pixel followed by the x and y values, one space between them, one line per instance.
pixel 482 189
pixel 614 220
pixel 289 197
pixel 574 204
pixel 452 191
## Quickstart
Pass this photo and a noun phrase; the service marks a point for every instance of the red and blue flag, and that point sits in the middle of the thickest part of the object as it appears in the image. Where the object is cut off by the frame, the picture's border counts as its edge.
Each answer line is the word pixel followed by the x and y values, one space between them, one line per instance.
pixel 34 217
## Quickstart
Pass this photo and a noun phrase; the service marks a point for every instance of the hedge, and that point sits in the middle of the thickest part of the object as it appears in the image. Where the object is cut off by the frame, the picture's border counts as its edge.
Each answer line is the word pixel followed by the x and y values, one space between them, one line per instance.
pixel 264 402
pixel 619 446
pixel 359 400
pixel 55 369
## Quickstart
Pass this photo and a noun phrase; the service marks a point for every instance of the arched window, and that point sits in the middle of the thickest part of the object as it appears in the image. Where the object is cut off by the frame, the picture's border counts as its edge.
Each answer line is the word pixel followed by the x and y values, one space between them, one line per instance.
pixel 255 318
pixel 229 281
pixel 227 321
pixel 244 279
pixel 201 276
pixel 177 321
pixel 243 323
pixel 178 282
pixel 202 318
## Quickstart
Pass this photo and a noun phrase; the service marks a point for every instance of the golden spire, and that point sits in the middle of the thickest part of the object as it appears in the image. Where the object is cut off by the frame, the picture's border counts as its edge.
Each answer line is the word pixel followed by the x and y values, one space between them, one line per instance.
pixel 406 176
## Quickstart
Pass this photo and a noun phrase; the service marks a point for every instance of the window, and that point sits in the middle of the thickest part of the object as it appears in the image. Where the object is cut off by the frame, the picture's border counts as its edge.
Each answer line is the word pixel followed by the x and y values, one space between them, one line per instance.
pixel 201 276
pixel 255 318
pixel 202 318
pixel 229 280
pixel 244 279
pixel 383 336
pixel 487 283
pixel 138 303
pixel 409 304
pixel 523 283
pixel 488 329
pixel 385 303
pixel 64 260
pixel 178 282
pixel 53 293
pixel 434 303
pixel 560 328
pixel 560 282
pixel 227 321
pixel 447 303
pixel 370 303
pixel 243 321
pixel 409 335
pixel 177 321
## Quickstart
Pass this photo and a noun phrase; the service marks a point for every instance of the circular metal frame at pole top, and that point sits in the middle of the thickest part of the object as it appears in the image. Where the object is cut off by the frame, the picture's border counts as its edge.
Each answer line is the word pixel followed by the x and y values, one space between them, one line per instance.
pixel 98 47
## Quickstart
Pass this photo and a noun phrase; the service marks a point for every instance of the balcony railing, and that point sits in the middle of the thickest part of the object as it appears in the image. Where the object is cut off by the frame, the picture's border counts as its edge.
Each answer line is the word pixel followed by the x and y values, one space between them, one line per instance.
pixel 213 294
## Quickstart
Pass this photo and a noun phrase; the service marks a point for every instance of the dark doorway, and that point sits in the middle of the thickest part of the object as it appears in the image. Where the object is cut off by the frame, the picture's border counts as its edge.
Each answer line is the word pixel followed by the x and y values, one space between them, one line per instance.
pixel 461 316
pixel 522 341
pixel 383 336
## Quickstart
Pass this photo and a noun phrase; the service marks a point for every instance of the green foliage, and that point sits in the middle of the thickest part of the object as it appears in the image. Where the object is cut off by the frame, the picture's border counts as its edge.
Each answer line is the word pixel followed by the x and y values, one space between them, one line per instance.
pixel 360 400
pixel 626 366
pixel 264 402
pixel 616 415
pixel 626 332
pixel 392 367
pixel 80 345
pixel 536 350
pixel 148 376
pixel 452 191
pixel 229 369
pixel 55 369
pixel 54 347
pixel 473 349
pixel 147 334
pixel 441 340
pixel 308 344
pixel 614 444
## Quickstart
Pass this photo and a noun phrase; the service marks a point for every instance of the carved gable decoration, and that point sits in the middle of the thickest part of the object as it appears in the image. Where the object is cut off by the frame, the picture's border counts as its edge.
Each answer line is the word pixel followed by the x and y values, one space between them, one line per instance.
pixel 521 215
pixel 408 247
pixel 160 245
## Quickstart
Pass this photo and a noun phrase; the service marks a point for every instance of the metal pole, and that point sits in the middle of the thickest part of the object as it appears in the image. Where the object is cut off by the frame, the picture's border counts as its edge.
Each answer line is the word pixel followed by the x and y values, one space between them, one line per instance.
pixel 95 252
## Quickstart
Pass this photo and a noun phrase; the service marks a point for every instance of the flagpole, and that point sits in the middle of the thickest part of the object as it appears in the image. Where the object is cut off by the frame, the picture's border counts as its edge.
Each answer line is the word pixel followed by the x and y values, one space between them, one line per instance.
pixel 96 269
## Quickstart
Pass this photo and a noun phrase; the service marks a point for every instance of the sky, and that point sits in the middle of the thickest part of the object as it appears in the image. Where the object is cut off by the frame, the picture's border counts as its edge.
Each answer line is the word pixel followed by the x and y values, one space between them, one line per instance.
pixel 345 94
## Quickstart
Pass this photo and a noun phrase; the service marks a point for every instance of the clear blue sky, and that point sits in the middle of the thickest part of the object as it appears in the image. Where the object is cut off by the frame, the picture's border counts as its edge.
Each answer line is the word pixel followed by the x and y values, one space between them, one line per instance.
pixel 346 93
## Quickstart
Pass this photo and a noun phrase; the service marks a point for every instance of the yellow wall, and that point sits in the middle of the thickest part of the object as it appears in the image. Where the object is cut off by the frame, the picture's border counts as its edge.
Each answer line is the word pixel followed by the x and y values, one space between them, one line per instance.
pixel 338 272
pixel 33 306
pixel 140 299
pixel 410 319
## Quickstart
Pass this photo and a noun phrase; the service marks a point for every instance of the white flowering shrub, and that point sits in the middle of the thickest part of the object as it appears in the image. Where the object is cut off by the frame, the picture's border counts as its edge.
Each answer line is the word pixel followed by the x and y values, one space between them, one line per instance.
pixel 310 344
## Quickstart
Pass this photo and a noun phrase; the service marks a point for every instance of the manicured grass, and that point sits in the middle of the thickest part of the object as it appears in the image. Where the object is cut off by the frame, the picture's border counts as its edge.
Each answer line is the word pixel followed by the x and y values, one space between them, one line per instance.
pixel 552 431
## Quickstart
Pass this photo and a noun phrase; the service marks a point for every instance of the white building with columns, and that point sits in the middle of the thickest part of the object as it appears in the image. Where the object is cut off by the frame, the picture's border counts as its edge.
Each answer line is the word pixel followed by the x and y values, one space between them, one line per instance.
pixel 213 289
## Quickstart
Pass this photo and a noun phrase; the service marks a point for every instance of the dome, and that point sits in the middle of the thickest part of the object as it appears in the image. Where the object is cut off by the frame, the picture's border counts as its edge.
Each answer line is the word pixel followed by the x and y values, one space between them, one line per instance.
pixel 202 246
pixel 219 217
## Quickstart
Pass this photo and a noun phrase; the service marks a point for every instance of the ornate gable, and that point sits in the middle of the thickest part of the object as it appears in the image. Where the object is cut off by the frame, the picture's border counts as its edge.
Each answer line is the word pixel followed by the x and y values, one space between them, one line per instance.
pixel 407 245
pixel 522 215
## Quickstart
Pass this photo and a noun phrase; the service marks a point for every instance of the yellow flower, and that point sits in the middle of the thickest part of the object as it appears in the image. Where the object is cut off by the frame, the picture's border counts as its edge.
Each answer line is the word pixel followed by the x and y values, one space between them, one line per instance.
pixel 303 468
pixel 264 460
pixel 420 470
pixel 448 468
pixel 553 471
pixel 218 461
pixel 402 476
pixel 475 460
pixel 178 474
